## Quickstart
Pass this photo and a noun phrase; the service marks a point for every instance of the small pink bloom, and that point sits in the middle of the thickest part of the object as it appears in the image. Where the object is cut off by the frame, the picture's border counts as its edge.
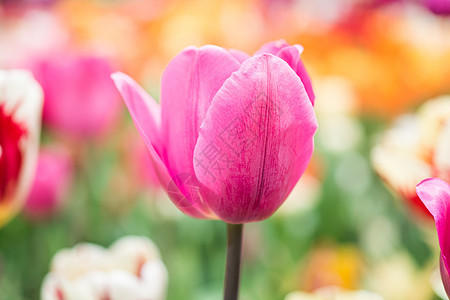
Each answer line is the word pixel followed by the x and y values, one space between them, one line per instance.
pixel 80 99
pixel 435 195
pixel 51 182
pixel 20 115
pixel 233 133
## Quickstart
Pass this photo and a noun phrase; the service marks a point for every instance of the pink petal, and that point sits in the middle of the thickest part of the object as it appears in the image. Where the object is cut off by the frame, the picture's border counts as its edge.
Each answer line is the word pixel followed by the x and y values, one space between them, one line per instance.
pixel 291 55
pixel 145 113
pixel 189 83
pixel 241 56
pixel 256 140
pixel 445 276
pixel 272 47
pixel 143 109
pixel 435 195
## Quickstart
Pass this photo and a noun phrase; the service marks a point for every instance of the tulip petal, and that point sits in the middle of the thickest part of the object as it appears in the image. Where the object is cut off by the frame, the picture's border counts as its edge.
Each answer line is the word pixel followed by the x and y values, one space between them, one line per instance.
pixel 435 195
pixel 241 56
pixel 145 113
pixel 189 83
pixel 256 140
pixel 143 109
pixel 445 276
pixel 291 55
pixel 272 47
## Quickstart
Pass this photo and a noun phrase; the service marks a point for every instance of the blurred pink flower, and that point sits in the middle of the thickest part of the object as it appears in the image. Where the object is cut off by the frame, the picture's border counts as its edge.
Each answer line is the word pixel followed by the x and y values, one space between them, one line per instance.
pixel 20 115
pixel 233 133
pixel 438 7
pixel 80 99
pixel 435 195
pixel 51 182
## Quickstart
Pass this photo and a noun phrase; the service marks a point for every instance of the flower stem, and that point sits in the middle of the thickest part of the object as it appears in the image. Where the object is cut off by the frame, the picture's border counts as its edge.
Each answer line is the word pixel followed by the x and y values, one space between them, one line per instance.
pixel 233 267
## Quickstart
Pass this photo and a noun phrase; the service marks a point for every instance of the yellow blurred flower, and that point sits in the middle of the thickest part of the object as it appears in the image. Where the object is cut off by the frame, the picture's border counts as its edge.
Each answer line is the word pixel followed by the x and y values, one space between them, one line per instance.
pixel 337 266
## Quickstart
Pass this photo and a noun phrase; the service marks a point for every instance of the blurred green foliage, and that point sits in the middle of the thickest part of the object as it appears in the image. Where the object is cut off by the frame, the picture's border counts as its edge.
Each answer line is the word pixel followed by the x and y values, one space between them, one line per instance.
pixel 194 250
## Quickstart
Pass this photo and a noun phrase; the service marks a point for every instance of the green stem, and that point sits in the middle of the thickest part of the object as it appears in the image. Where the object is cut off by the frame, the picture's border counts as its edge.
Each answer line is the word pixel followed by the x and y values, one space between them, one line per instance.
pixel 233 266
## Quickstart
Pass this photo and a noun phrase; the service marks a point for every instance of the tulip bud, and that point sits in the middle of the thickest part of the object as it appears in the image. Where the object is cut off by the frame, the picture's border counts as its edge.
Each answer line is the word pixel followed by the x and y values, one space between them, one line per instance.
pixel 233 133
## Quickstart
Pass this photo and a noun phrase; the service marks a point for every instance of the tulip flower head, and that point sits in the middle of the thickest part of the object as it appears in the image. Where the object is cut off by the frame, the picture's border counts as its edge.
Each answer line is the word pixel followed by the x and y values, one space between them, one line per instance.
pixel 435 195
pixel 131 269
pixel 233 133
pixel 20 115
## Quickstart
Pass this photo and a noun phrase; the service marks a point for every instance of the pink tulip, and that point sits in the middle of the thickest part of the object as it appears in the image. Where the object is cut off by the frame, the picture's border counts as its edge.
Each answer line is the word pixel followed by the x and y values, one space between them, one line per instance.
pixel 233 133
pixel 435 195
pixel 20 120
pixel 51 182
pixel 80 99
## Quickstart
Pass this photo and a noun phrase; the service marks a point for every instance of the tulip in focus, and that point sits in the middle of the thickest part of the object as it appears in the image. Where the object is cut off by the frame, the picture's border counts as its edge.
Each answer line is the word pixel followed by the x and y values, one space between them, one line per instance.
pixel 131 269
pixel 80 99
pixel 333 293
pixel 435 195
pixel 233 133
pixel 51 182
pixel 20 122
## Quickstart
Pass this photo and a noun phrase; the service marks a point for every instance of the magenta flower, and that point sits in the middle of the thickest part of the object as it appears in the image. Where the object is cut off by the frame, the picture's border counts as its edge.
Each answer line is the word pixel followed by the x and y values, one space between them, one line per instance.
pixel 233 133
pixel 51 182
pixel 435 195
pixel 80 100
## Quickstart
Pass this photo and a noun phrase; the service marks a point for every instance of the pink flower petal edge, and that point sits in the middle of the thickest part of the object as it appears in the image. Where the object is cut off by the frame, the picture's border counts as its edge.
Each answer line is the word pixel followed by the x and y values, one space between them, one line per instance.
pixel 435 195
pixel 145 114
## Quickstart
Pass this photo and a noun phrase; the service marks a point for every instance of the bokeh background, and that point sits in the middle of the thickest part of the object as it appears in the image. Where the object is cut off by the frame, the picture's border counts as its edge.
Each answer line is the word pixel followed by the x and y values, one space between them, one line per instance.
pixel 370 61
